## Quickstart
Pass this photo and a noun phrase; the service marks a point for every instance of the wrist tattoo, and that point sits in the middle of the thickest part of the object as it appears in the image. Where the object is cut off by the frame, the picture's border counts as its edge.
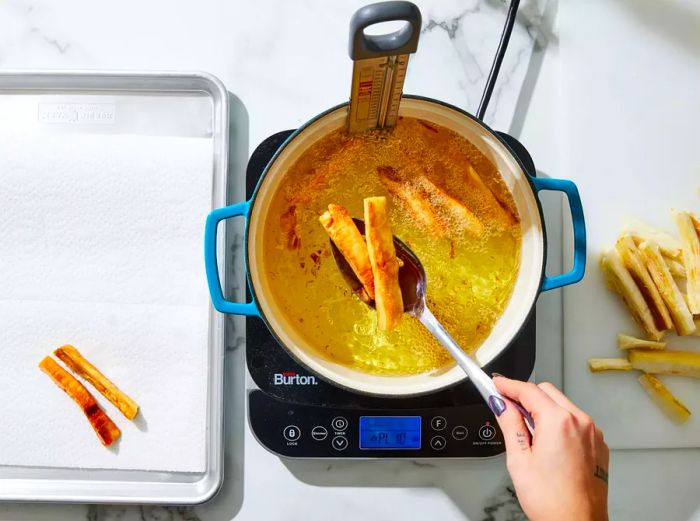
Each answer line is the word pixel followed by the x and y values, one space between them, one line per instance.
pixel 522 440
pixel 601 473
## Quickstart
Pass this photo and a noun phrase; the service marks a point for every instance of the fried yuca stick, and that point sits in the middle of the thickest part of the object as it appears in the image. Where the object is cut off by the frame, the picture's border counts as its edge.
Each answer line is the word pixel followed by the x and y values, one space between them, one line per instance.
pixel 413 199
pixel 631 259
pixel 460 215
pixel 691 259
pixel 681 315
pixel 385 265
pixel 664 398
pixel 620 281
pixel 70 356
pixel 105 428
pixel 342 230
pixel 290 226
pixel 497 211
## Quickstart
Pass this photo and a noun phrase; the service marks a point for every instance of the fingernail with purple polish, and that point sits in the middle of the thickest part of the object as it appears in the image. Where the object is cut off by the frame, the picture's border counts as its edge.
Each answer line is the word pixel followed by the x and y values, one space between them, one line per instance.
pixel 497 405
pixel 497 374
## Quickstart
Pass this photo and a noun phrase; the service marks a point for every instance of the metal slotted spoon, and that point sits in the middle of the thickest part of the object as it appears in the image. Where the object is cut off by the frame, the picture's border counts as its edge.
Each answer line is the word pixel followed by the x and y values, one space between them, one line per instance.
pixel 413 282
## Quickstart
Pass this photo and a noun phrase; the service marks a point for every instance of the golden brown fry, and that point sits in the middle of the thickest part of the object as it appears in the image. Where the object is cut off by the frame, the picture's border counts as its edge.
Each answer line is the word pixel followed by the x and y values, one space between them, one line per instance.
pixel 679 363
pixel 342 230
pixel 691 258
pixel 674 266
pixel 641 231
pixel 625 342
pixel 664 398
pixel 105 429
pixel 620 281
pixel 412 199
pixel 631 259
pixel 486 196
pixel 682 318
pixel 70 356
pixel 385 265
pixel 596 365
pixel 458 212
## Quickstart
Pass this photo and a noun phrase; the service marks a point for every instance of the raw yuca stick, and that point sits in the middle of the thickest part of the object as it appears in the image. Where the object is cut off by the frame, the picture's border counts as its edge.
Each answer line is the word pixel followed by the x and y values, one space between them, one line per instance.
pixel 625 342
pixel 641 231
pixel 691 259
pixel 632 260
pixel 345 235
pixel 664 398
pixel 620 281
pixel 106 430
pixel 460 215
pixel 679 363
pixel 696 222
pixel 674 266
pixel 685 299
pixel 681 315
pixel 596 365
pixel 70 356
pixel 385 265
pixel 413 199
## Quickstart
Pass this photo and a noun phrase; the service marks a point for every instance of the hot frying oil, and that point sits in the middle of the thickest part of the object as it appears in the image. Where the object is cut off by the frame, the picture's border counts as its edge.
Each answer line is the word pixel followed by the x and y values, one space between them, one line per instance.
pixel 470 279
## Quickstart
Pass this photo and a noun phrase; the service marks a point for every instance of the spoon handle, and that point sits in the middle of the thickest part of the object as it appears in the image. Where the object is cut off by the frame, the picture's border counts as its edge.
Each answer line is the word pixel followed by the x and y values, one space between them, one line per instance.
pixel 483 382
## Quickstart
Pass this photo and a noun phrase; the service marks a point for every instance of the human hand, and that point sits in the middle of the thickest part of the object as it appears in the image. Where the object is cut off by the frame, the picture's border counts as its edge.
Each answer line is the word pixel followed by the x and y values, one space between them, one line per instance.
pixel 562 471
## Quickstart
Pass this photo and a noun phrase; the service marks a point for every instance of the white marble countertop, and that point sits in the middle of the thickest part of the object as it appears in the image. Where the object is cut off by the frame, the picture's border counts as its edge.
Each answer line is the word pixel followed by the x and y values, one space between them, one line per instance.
pixel 262 52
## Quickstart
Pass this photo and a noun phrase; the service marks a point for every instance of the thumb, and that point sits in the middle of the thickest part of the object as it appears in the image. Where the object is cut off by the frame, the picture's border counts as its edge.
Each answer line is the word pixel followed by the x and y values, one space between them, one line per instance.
pixel 515 431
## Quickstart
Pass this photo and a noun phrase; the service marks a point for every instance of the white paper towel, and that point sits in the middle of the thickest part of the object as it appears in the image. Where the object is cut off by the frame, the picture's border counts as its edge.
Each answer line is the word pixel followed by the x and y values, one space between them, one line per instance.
pixel 101 247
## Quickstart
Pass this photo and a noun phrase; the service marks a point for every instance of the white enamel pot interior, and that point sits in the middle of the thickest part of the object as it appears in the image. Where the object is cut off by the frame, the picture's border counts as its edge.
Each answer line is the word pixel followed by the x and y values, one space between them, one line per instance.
pixel 517 310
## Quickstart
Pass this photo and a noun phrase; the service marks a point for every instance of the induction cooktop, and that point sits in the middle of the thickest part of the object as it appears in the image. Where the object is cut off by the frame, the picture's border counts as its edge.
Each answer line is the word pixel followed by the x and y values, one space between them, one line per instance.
pixel 294 413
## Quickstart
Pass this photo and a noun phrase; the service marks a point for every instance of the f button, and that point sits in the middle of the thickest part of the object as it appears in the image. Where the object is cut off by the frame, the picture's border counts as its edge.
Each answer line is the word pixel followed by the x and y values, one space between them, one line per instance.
pixel 438 423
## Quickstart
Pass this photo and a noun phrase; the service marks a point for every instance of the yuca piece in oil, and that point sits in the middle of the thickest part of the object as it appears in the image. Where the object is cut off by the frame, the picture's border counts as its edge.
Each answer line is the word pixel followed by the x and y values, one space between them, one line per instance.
pixel 469 279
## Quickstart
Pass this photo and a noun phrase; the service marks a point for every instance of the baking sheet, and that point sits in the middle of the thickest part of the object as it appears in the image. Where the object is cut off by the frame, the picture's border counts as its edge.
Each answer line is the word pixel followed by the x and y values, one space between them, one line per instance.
pixel 99 252
pixel 107 181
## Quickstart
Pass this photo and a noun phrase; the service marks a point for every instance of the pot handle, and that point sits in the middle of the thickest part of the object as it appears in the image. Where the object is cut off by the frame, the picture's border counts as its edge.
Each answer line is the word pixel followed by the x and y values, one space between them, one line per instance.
pixel 403 41
pixel 217 297
pixel 579 268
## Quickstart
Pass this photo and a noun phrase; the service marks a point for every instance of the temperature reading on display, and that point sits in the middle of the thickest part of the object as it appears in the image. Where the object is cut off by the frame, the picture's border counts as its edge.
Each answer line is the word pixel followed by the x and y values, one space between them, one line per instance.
pixel 390 432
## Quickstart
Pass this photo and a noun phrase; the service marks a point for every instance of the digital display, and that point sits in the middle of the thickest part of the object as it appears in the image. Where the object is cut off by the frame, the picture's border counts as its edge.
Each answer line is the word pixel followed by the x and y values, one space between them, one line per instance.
pixel 390 432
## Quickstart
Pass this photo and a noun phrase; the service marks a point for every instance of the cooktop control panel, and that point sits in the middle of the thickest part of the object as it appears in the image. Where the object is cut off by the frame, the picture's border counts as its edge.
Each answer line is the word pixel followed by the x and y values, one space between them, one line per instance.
pixel 307 431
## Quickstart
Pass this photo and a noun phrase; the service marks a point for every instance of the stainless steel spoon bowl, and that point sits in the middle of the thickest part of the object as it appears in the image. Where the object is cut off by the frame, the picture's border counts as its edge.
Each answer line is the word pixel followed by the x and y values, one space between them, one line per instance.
pixel 413 282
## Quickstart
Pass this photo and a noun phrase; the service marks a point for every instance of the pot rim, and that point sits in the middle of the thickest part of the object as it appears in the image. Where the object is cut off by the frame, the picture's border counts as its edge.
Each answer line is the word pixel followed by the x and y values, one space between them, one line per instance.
pixel 252 289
